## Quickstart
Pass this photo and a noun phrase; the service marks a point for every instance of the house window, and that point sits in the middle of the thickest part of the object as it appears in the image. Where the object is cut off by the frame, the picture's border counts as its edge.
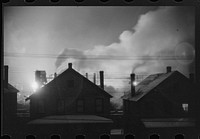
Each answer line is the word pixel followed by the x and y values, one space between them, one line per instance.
pixel 70 83
pixel 80 106
pixel 185 107
pixel 41 106
pixel 60 106
pixel 99 105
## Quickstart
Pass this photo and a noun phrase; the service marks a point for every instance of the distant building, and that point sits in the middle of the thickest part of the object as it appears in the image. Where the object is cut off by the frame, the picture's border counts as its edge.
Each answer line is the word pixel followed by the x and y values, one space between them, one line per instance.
pixel 169 94
pixel 9 98
pixel 70 93
pixel 40 77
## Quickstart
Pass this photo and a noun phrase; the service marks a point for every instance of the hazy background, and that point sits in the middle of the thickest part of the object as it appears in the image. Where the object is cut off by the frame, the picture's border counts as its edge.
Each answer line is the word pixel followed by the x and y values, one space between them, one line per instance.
pixel 117 40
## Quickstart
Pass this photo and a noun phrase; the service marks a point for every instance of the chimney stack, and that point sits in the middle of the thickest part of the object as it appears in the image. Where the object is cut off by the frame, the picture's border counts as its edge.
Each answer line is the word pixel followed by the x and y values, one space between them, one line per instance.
pixel 94 78
pixel 55 75
pixel 86 75
pixel 70 65
pixel 169 69
pixel 5 78
pixel 132 85
pixel 191 77
pixel 101 79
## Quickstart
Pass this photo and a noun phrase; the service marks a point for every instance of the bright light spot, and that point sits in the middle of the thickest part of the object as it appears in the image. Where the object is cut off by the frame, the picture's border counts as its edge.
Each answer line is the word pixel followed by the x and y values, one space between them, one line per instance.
pixel 185 107
pixel 135 83
pixel 34 86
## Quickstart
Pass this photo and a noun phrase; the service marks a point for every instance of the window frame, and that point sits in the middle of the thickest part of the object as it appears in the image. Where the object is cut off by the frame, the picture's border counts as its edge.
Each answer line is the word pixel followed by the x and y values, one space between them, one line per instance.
pixel 82 106
pixel 186 107
pixel 101 105
pixel 62 109
pixel 41 106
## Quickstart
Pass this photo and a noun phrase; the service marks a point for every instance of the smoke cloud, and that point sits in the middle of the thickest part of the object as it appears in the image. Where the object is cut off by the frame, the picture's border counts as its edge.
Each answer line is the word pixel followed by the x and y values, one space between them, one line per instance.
pixel 116 93
pixel 69 54
pixel 163 37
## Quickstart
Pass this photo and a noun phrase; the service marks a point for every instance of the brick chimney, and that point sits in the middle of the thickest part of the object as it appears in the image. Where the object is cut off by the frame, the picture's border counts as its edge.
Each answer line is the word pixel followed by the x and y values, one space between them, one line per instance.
pixel 5 76
pixel 101 79
pixel 70 65
pixel 191 77
pixel 94 78
pixel 132 85
pixel 169 69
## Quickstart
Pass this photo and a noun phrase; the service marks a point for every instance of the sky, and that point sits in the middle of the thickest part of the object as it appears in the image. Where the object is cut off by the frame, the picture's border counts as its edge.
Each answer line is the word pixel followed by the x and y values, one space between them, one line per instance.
pixel 117 40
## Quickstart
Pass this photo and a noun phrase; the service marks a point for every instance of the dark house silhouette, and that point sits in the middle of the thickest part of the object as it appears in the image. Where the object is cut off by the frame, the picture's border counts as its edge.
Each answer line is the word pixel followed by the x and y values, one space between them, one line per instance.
pixel 70 104
pixel 9 99
pixel 70 93
pixel 169 94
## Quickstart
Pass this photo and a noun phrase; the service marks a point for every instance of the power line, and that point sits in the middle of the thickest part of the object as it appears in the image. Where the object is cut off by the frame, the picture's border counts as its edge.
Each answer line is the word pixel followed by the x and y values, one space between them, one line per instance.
pixel 99 57
pixel 126 76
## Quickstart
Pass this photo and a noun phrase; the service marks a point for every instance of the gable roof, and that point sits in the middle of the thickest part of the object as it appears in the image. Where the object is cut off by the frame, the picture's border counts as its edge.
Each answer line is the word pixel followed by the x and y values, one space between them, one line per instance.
pixel 148 84
pixel 10 89
pixel 78 74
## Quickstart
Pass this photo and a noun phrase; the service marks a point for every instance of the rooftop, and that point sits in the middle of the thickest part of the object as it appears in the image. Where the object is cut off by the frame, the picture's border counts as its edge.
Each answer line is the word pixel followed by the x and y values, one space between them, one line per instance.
pixel 10 89
pixel 147 85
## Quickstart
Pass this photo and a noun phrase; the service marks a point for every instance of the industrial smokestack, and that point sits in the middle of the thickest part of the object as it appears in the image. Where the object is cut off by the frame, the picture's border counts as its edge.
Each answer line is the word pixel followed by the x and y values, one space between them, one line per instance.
pixel 101 79
pixel 191 77
pixel 86 75
pixel 70 65
pixel 169 69
pixel 94 78
pixel 5 76
pixel 132 84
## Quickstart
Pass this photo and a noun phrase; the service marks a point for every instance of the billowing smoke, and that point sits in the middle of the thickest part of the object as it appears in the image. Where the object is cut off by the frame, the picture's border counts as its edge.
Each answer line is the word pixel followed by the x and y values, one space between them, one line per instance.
pixel 163 37
pixel 116 93
pixel 70 55
pixel 160 38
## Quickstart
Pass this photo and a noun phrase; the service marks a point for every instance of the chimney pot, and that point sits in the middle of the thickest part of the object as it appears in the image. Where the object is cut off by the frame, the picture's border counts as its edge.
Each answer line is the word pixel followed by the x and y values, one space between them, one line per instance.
pixel 86 75
pixel 101 79
pixel 69 65
pixel 169 69
pixel 55 75
pixel 94 78
pixel 132 86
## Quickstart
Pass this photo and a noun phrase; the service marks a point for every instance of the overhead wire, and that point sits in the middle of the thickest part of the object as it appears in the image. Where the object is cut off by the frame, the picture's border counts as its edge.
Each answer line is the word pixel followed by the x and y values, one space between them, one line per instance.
pixel 98 57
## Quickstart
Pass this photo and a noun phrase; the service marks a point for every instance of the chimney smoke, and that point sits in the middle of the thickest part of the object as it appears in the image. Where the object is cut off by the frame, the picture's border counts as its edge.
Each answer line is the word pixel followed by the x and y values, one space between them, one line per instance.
pixel 132 84
pixel 101 79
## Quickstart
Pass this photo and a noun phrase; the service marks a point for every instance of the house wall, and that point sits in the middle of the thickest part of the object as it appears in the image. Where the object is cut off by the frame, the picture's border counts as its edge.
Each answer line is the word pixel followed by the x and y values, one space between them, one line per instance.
pixel 166 100
pixel 60 91
pixel 9 105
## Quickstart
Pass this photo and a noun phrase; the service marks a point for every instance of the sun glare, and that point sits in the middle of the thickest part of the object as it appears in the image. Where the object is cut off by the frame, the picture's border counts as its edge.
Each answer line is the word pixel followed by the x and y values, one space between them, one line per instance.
pixel 34 86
